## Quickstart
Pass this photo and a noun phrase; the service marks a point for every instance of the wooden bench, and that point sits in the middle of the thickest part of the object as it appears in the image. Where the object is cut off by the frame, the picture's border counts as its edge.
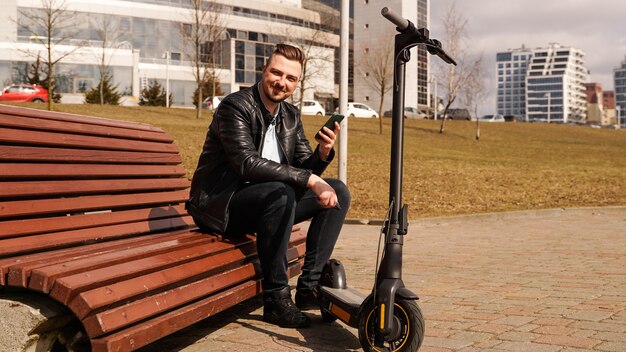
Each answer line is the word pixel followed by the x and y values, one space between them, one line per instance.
pixel 92 215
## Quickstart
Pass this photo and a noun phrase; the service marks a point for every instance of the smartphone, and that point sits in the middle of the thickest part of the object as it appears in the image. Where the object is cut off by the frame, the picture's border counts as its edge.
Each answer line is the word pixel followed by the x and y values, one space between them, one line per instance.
pixel 330 123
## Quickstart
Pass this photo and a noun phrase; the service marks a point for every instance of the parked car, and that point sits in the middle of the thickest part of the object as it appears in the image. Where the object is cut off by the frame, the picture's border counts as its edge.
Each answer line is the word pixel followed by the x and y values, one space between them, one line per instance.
pixel 361 110
pixel 212 102
pixel 23 93
pixel 409 113
pixel 312 107
pixel 492 118
pixel 459 114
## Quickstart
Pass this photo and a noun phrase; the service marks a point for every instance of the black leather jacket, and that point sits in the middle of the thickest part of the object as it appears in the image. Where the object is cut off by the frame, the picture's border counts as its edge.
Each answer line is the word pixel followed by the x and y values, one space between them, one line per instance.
pixel 231 155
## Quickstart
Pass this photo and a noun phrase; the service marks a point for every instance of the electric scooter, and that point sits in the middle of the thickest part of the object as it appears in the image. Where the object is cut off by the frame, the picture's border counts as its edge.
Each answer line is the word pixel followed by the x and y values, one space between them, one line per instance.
pixel 388 319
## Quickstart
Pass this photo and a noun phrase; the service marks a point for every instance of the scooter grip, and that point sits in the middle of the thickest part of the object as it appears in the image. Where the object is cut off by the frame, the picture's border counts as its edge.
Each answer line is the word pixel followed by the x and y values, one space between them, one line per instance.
pixel 399 21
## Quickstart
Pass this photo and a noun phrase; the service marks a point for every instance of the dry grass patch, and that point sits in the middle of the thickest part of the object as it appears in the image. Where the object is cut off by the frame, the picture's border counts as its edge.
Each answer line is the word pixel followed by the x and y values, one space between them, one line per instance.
pixel 514 166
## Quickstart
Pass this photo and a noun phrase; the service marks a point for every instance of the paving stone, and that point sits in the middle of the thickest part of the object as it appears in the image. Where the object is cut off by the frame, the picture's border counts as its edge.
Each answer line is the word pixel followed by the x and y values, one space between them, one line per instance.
pixel 526 347
pixel 540 281
pixel 611 346
pixel 572 341
pixel 514 320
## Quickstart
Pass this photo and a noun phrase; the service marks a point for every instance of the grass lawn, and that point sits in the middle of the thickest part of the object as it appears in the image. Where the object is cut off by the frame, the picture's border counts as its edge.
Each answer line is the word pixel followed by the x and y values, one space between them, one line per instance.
pixel 514 166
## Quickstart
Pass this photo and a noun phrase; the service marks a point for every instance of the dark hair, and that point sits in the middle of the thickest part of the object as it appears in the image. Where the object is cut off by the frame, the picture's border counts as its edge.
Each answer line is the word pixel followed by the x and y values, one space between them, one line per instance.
pixel 290 52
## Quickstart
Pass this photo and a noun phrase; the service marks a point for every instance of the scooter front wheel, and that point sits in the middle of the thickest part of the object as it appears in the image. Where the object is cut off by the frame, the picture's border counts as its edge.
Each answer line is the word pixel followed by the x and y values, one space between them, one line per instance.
pixel 407 335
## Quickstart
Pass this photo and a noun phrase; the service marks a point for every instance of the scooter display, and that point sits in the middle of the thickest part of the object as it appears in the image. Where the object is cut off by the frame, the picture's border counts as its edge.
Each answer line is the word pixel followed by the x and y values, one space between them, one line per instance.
pixel 388 319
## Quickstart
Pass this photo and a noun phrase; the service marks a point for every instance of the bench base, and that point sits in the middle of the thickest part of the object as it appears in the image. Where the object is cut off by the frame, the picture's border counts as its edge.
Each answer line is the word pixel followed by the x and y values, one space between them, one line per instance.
pixel 33 322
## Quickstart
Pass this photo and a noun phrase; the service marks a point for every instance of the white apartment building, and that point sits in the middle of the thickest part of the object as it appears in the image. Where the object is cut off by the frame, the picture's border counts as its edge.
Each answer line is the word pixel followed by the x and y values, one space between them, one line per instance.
pixel 619 80
pixel 554 85
pixel 373 35
pixel 149 29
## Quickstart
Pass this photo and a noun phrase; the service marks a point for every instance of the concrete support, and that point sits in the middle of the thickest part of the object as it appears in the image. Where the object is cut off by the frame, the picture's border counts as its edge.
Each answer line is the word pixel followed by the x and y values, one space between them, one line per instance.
pixel 30 322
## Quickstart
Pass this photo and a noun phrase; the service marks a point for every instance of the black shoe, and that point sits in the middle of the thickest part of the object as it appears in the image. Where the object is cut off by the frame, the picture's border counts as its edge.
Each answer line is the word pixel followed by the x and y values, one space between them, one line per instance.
pixel 306 300
pixel 278 309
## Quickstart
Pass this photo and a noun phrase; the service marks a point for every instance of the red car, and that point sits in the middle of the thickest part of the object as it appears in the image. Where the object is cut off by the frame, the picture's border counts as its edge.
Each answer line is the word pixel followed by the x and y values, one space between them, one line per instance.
pixel 23 93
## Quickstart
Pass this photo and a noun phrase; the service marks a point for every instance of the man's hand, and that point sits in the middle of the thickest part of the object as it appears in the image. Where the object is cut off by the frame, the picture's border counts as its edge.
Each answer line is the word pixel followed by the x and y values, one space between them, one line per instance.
pixel 326 141
pixel 326 196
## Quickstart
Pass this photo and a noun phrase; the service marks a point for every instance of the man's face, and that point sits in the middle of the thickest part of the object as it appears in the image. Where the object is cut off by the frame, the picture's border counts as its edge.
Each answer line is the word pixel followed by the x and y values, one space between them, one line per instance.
pixel 280 78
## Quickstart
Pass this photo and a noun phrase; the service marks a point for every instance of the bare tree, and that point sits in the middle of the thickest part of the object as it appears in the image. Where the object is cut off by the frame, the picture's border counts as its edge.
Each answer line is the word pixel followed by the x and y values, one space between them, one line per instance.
pixel 50 26
pixel 377 68
pixel 202 43
pixel 452 77
pixel 108 33
pixel 474 90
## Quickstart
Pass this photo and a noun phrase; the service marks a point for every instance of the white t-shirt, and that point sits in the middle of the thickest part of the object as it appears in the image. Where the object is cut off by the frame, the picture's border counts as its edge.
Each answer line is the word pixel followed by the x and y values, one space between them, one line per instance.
pixel 271 149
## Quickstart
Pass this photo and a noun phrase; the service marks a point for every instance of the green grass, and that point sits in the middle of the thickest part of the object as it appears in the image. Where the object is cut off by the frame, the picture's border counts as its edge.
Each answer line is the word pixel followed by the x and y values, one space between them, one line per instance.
pixel 514 166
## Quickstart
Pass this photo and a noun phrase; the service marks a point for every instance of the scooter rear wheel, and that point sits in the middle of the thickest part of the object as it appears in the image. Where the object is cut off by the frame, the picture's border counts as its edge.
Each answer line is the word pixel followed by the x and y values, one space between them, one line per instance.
pixel 409 332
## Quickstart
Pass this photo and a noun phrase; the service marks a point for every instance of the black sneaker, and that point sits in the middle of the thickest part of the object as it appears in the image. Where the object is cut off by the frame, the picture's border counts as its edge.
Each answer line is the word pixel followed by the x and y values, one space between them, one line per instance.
pixel 278 309
pixel 306 300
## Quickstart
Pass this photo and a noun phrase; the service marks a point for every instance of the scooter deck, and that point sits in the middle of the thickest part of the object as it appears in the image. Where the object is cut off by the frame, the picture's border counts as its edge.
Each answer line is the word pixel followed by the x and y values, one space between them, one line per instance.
pixel 344 303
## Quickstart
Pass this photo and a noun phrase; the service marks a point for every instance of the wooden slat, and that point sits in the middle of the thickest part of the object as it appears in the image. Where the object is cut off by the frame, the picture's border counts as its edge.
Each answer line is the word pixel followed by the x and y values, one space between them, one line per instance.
pixel 16 228
pixel 49 241
pixel 103 260
pixel 117 318
pixel 100 121
pixel 95 300
pixel 75 127
pixel 89 203
pixel 40 154
pixel 140 335
pixel 66 288
pixel 76 171
pixel 19 274
pixel 17 269
pixel 65 140
pixel 68 188
pixel 151 330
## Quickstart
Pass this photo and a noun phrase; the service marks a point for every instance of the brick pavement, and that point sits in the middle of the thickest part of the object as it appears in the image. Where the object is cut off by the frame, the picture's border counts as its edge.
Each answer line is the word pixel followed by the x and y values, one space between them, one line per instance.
pixel 550 280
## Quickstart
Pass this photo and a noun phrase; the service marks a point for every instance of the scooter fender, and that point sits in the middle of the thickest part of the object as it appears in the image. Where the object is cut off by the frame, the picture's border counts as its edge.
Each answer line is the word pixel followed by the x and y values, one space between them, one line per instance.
pixel 334 275
pixel 385 300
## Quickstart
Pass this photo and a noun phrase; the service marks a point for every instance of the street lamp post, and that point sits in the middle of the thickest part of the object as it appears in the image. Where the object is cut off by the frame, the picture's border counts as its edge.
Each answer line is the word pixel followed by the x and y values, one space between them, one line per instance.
pixel 167 79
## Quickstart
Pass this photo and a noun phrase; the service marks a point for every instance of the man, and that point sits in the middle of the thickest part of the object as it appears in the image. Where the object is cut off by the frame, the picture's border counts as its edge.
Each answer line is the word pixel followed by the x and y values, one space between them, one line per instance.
pixel 257 173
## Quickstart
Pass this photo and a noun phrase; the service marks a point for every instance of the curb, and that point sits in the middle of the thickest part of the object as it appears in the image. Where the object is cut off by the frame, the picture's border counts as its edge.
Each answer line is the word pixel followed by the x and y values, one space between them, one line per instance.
pixel 531 213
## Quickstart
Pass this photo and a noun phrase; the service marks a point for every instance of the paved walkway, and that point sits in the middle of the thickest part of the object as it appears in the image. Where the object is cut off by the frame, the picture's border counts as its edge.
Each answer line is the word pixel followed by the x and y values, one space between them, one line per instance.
pixel 546 281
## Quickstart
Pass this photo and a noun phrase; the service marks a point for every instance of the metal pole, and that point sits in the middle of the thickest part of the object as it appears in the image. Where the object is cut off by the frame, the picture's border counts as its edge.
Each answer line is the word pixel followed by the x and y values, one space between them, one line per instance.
pixel 167 79
pixel 343 90
pixel 436 98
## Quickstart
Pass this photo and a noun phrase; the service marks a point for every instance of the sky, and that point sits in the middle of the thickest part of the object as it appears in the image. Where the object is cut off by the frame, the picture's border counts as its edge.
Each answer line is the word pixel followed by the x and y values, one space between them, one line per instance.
pixel 598 27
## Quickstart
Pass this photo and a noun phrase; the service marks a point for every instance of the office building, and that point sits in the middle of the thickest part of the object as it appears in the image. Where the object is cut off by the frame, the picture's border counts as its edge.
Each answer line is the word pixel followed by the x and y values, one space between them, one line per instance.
pixel 148 44
pixel 619 79
pixel 373 38
pixel 511 69
pixel 552 89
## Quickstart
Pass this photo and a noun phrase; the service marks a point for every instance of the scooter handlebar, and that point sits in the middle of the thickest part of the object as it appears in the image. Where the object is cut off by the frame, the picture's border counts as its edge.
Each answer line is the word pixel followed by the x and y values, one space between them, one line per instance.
pixel 396 19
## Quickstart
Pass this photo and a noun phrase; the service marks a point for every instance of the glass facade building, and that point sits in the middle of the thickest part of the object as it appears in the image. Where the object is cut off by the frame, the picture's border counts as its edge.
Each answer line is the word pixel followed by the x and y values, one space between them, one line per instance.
pixel 143 32
pixel 619 79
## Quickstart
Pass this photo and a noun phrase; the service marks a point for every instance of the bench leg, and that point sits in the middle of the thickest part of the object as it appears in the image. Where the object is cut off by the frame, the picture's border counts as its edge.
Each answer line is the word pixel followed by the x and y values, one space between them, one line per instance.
pixel 32 322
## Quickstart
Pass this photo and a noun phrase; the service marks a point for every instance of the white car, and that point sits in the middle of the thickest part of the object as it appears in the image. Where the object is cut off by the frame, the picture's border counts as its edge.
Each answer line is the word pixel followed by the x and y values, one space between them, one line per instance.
pixel 492 118
pixel 361 110
pixel 313 108
pixel 212 102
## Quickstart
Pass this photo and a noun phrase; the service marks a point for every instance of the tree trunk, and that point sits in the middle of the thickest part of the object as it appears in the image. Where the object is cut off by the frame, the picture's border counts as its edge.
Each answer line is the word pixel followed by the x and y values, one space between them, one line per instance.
pixel 477 129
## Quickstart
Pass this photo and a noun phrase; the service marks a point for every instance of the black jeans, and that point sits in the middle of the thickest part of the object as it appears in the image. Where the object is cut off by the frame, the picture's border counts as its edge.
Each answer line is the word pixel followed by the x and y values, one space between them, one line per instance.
pixel 270 209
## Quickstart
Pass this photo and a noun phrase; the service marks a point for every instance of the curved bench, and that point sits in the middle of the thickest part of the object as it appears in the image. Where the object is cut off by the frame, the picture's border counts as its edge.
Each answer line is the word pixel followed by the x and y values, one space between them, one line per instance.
pixel 92 215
